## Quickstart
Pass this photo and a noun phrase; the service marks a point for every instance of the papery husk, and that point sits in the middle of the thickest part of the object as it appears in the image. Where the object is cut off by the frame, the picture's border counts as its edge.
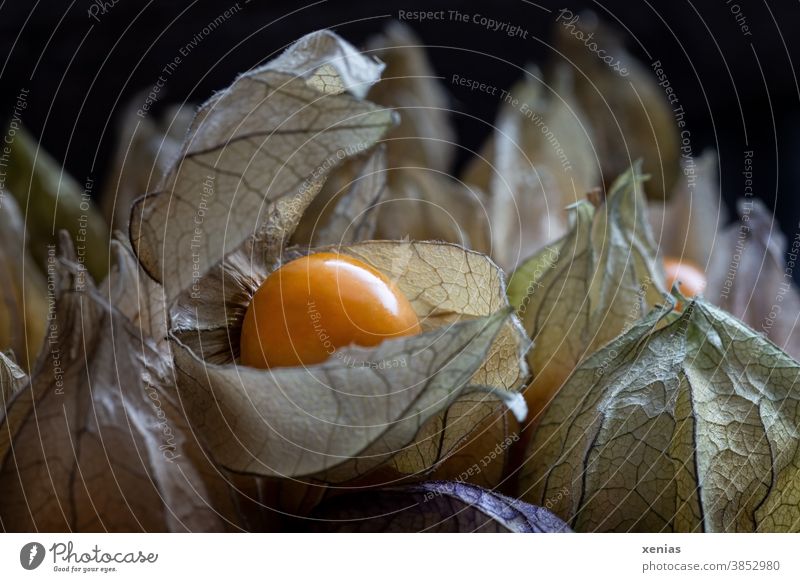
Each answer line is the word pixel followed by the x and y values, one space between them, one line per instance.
pixel 134 294
pixel 347 206
pixel 12 378
pixel 260 504
pixel 423 201
pixel 355 214
pixel 749 277
pixel 471 445
pixel 582 291
pixel 447 287
pixel 425 136
pixel 427 204
pixel 256 156
pixel 683 424
pixel 629 114
pixel 93 442
pixel 539 160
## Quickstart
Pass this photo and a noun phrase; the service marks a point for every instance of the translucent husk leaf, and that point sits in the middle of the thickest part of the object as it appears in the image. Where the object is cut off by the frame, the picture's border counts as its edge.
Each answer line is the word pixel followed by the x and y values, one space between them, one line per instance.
pixel 92 441
pixel 54 201
pixel 346 210
pixel 259 504
pixel 681 424
pixel 579 293
pixel 23 293
pixel 629 114
pixel 131 291
pixel 464 284
pixel 750 278
pixel 289 413
pixel 255 157
pixel 470 444
pixel 434 506
pixel 539 161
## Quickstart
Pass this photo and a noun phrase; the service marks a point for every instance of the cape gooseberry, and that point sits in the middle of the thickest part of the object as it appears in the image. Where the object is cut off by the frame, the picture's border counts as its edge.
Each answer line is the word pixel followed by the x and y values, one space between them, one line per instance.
pixel 691 280
pixel 311 306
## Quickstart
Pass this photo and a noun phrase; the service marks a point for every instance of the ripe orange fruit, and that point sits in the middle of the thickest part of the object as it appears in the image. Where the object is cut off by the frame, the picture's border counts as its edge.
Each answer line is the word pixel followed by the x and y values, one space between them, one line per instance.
pixel 308 308
pixel 690 278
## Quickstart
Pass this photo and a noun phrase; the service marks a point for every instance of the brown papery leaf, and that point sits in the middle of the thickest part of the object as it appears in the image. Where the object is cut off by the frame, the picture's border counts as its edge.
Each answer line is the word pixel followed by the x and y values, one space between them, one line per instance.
pixel 253 503
pixel 446 284
pixel 424 137
pixel 92 442
pixel 689 224
pixel 581 292
pixel 131 291
pixel 539 160
pixel 208 319
pixel 628 111
pixel 256 155
pixel 423 201
pixel 23 296
pixel 354 211
pixel 426 204
pixel 750 278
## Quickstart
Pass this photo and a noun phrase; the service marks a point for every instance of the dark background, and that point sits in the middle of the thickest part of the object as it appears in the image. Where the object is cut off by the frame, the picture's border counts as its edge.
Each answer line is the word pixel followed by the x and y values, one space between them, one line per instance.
pixel 740 92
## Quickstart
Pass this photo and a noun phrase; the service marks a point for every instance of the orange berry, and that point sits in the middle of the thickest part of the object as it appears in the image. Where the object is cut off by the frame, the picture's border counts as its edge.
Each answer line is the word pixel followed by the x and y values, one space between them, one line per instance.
pixel 307 309
pixel 690 278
